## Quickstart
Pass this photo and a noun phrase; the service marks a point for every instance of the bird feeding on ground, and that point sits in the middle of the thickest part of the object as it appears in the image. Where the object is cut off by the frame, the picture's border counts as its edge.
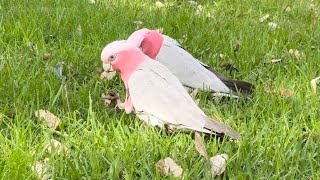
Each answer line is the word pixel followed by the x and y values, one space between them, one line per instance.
pixel 155 94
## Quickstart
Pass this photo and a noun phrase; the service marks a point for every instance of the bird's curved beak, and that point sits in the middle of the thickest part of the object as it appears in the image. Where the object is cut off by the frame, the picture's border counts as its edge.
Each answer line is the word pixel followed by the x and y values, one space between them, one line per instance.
pixel 109 72
pixel 107 67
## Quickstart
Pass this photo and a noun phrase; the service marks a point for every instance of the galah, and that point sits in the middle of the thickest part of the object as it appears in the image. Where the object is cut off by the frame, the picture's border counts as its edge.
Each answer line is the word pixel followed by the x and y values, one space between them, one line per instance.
pixel 155 95
pixel 191 72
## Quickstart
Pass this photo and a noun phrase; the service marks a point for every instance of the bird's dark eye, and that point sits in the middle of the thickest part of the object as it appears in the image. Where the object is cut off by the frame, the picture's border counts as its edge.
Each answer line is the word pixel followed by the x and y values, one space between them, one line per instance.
pixel 112 57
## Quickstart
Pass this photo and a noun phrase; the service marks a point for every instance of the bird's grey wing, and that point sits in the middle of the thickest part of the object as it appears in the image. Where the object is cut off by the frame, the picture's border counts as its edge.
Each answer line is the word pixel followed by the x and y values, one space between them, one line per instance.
pixel 153 95
pixel 188 70
pixel 207 71
pixel 164 72
pixel 157 93
pixel 170 41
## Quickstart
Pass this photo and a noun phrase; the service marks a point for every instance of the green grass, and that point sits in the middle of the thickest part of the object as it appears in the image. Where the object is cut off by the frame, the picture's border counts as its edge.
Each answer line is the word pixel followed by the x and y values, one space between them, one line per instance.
pixel 280 134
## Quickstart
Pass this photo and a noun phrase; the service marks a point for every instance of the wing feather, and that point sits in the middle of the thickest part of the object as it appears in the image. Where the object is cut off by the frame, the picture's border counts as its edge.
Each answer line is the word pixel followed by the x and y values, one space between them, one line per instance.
pixel 190 71
pixel 156 91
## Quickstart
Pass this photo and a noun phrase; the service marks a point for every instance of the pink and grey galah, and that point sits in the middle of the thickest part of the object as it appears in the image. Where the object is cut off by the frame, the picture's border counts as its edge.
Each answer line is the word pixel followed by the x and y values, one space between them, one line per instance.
pixel 155 95
pixel 191 72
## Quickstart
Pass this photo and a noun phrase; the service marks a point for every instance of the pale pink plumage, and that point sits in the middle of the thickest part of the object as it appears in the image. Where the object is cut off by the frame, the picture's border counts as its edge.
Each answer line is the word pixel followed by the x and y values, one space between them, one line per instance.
pixel 156 95
pixel 190 71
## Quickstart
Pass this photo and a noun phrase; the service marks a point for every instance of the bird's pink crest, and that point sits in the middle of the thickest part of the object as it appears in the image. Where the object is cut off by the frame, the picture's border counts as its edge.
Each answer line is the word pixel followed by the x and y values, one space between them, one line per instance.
pixel 124 57
pixel 149 41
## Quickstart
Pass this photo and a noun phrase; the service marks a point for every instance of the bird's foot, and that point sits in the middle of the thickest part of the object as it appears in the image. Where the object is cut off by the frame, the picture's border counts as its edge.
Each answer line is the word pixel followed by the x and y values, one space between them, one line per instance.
pixel 169 128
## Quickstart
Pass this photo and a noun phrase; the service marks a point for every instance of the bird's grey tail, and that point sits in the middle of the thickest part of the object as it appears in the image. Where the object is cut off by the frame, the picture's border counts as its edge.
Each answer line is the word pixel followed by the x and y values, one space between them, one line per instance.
pixel 242 87
pixel 221 129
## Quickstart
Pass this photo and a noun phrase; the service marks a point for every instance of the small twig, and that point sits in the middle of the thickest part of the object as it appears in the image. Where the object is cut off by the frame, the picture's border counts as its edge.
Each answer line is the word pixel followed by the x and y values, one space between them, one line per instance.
pixel 67 97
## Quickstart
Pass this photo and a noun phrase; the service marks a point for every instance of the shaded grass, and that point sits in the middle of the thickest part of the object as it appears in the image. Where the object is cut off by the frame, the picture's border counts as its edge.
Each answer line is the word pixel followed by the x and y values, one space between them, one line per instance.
pixel 278 132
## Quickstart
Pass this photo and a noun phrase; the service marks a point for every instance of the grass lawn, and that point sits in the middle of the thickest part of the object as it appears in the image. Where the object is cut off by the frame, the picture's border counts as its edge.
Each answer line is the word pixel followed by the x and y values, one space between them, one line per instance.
pixel 280 125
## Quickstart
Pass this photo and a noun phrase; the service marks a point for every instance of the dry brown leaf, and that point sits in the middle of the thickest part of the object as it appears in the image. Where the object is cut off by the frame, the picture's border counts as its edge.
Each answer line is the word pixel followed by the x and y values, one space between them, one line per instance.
pixel 52 121
pixel 160 4
pixel 218 164
pixel 275 60
pixel 46 56
pixel 296 53
pixel 41 168
pixel 79 30
pixel 167 166
pixel 11 113
pixel 200 146
pixel 313 83
pixel 54 146
pixel 111 99
pixel 236 46
pixel 273 25
pixel 264 18
pixel 288 9
pixel 311 136
pixel 161 29
pixel 286 92
pixel 193 2
pixel 137 23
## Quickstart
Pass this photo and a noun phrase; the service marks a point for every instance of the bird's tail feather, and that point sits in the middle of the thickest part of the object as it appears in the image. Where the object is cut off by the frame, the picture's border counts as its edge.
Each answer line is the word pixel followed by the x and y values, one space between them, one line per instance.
pixel 242 87
pixel 220 128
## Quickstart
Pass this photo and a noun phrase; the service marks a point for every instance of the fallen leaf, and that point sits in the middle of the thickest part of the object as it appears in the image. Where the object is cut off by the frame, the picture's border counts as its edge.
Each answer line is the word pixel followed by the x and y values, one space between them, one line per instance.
pixel 273 25
pixel 46 56
pixel 11 113
pixel 275 60
pixel 192 2
pixel 30 46
pixel 161 29
pixel 313 83
pixel 210 15
pixel 296 53
pixel 200 146
pixel 79 30
pixel 288 9
pixel 138 23
pixel 52 121
pixel 218 164
pixel 160 4
pixel 311 136
pixel 54 146
pixel 58 69
pixel 167 166
pixel 264 18
pixel 236 46
pixel 286 92
pixel 199 10
pixel 111 99
pixel 41 168
pixel 222 56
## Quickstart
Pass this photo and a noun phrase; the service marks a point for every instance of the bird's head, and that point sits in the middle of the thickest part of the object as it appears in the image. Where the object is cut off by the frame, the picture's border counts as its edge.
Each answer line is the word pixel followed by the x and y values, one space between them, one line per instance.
pixel 149 41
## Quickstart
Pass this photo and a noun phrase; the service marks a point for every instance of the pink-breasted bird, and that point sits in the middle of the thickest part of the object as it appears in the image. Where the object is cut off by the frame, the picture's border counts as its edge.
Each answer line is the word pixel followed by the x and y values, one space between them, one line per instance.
pixel 155 95
pixel 191 72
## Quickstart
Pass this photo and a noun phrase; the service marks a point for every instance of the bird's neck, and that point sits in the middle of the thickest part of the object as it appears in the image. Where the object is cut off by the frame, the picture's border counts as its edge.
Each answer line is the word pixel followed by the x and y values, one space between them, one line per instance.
pixel 131 66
